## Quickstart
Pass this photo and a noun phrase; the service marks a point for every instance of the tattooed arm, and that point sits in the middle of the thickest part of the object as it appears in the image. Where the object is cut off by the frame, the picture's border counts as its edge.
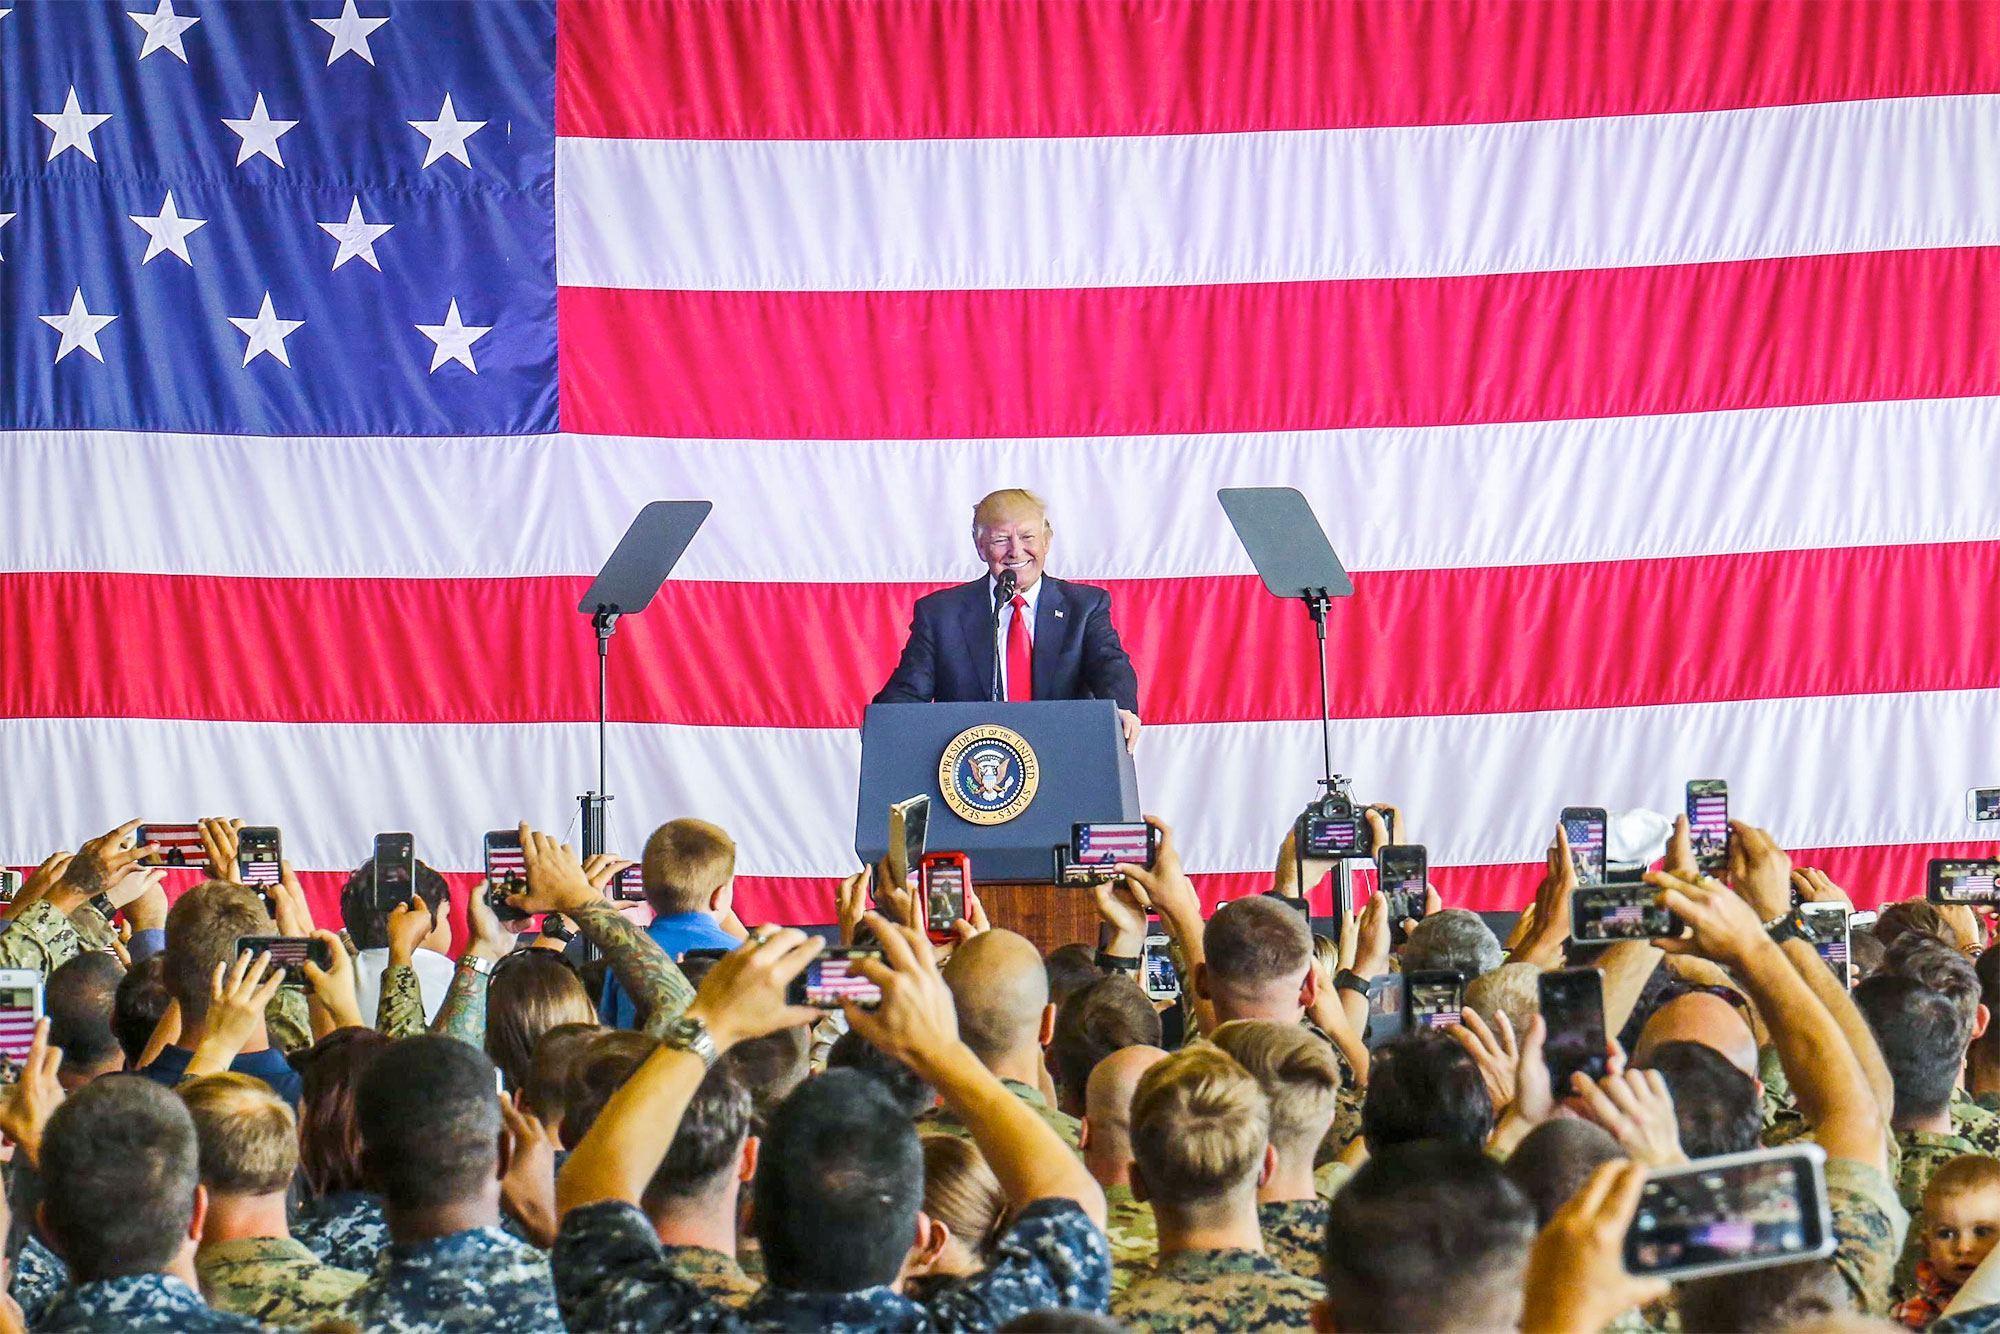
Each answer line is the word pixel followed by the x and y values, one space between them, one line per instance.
pixel 463 1014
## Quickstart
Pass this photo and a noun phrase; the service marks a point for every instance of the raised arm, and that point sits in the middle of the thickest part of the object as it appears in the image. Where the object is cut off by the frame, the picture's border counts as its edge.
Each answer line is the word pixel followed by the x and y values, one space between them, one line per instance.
pixel 1814 887
pixel 1167 891
pixel 463 1014
pixel 399 1011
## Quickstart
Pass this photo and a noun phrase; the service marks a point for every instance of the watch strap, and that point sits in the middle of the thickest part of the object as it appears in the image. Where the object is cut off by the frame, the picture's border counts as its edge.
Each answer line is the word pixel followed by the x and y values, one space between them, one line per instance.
pixel 1791 926
pixel 473 962
pixel 1122 963
pixel 690 1035
pixel 1349 980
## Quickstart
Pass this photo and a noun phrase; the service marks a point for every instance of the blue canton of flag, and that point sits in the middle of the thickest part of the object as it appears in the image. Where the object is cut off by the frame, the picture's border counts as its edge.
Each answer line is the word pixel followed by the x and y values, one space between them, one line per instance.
pixel 327 218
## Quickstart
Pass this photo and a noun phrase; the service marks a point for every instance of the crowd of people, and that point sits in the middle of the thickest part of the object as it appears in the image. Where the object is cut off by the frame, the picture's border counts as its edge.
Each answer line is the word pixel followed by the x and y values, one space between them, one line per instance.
pixel 651 1133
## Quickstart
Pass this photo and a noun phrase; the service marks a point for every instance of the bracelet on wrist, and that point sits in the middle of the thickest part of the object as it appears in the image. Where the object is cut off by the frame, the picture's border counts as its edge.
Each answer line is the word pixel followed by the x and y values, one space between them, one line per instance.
pixel 1122 963
pixel 1349 980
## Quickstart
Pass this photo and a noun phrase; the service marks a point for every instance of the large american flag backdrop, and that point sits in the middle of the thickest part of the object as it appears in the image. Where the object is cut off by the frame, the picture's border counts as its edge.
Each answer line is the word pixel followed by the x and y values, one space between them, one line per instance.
pixel 1643 360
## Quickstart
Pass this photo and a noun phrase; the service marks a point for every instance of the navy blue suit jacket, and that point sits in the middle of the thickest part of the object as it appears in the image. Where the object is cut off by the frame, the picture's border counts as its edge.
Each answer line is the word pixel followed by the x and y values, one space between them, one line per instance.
pixel 950 652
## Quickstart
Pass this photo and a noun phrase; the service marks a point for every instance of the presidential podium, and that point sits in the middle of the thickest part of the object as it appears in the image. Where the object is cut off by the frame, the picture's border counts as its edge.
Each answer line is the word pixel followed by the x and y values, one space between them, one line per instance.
pixel 1006 782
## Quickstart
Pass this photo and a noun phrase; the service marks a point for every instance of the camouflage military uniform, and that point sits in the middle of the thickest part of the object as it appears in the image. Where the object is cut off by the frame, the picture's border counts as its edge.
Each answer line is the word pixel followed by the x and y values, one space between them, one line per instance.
pixel 400 1011
pixel 1295 1234
pixel 140 1301
pixel 272 1278
pixel 943 1121
pixel 611 1274
pixel 1217 1291
pixel 470 1282
pixel 287 1022
pixel 346 1230
pixel 1920 1153
pixel 1869 1225
pixel 1346 1127
pixel 1134 1237
pixel 716 1274
pixel 40 938
pixel 1975 1123
pixel 93 932
pixel 39 1277
pixel 1330 1177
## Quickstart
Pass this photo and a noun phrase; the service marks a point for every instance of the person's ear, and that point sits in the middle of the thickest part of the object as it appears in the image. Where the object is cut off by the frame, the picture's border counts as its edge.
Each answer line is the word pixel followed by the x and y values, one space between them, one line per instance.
pixel 1201 980
pixel 1309 989
pixel 1083 1133
pixel 200 1216
pixel 1322 1317
pixel 722 896
pixel 1269 1168
pixel 932 1237
pixel 746 1165
pixel 1048 1030
pixel 504 1159
pixel 1981 1019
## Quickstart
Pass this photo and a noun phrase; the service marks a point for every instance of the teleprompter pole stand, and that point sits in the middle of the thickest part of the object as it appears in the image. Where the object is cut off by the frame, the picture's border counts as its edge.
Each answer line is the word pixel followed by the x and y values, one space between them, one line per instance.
pixel 645 556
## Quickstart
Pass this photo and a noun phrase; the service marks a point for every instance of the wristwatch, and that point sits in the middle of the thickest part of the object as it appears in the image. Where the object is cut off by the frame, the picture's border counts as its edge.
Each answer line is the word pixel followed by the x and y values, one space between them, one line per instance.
pixel 1790 926
pixel 1349 980
pixel 687 1034
pixel 1123 963
pixel 476 963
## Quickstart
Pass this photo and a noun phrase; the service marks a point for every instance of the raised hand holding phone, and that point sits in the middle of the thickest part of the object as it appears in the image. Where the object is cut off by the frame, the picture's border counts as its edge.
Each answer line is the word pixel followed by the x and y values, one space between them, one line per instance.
pixel 332 982
pixel 916 1021
pixel 1576 1281
pixel 32 1098
pixel 409 924
pixel 745 995
pixel 238 995
pixel 1760 871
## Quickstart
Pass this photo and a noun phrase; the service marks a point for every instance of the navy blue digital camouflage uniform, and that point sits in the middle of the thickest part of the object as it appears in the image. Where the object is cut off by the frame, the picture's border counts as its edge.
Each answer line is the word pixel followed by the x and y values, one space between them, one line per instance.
pixel 139 1302
pixel 346 1230
pixel 612 1274
pixel 477 1281
pixel 38 1278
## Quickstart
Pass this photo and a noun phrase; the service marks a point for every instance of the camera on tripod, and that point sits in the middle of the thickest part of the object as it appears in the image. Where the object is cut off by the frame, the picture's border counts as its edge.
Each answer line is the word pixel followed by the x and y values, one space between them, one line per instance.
pixel 1334 826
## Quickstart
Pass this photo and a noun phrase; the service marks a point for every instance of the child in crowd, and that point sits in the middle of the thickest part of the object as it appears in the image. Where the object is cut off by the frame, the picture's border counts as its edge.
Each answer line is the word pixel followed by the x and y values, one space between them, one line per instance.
pixel 1961 1224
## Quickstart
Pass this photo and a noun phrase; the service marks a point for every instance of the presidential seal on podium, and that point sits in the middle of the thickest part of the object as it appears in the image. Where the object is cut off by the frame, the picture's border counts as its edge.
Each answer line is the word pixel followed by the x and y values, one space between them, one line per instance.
pixel 988 774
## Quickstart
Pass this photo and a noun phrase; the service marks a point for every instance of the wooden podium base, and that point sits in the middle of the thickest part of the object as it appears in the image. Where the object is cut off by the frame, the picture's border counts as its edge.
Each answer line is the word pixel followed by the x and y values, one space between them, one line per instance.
pixel 1050 915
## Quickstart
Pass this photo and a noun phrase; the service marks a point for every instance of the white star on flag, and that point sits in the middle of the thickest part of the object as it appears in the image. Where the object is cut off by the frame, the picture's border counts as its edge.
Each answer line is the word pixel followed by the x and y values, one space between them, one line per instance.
pixel 72 127
pixel 350 33
pixel 266 331
pixel 78 328
pixel 454 339
pixel 260 134
pixel 357 236
pixel 6 218
pixel 447 134
pixel 163 29
pixel 169 231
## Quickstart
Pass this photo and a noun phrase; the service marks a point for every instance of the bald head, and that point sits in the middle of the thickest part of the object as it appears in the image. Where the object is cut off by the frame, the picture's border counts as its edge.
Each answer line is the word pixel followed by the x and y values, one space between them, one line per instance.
pixel 1704 1018
pixel 1001 991
pixel 1107 1111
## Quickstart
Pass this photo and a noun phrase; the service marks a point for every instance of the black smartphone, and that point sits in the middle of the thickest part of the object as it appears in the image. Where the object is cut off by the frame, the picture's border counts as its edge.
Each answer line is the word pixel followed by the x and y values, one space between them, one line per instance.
pixel 1736 1211
pixel 21 1006
pixel 1982 805
pixel 290 953
pixel 179 845
pixel 942 878
pixel 1599 913
pixel 1436 998
pixel 1078 877
pixel 10 885
pixel 1104 843
pixel 395 870
pixel 1386 1014
pixel 1708 823
pixel 830 979
pixel 1959 880
pixel 258 856
pixel 1584 827
pixel 1572 1002
pixel 1829 926
pixel 629 885
pixel 506 873
pixel 1162 979
pixel 1405 872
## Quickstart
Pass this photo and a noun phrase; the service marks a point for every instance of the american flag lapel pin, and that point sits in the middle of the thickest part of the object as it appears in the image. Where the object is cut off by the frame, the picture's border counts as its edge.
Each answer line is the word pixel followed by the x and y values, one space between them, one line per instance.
pixel 1059 613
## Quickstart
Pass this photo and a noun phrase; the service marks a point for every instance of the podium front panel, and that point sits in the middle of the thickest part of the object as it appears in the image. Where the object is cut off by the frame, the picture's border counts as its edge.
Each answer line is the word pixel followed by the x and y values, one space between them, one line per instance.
pixel 1075 749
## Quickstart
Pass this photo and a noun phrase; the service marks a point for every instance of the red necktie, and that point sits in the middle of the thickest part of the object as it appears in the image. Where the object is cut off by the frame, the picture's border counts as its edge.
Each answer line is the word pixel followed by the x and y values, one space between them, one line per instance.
pixel 1020 654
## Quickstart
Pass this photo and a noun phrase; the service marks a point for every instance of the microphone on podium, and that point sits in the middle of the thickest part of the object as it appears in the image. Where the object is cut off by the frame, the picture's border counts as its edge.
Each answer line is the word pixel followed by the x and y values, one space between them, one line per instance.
pixel 1003 593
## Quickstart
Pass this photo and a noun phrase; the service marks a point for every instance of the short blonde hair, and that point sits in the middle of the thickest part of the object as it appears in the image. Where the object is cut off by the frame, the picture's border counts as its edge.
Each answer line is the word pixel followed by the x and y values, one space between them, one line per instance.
pixel 1296 1070
pixel 1512 989
pixel 996 505
pixel 248 1140
pixel 684 862
pixel 1199 1126
pixel 1962 1175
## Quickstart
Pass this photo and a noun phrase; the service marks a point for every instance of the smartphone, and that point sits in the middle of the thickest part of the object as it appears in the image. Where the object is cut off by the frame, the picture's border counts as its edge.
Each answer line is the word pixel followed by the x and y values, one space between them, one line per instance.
pixel 943 876
pixel 629 885
pixel 1436 998
pixel 1584 826
pixel 1708 823
pixel 1069 873
pixel 290 953
pixel 179 844
pixel 909 831
pixel 1829 926
pixel 1405 872
pixel 20 1010
pixel 1573 1009
pixel 395 870
pixel 1736 1211
pixel 1386 1013
pixel 1982 805
pixel 506 873
pixel 1599 913
pixel 1101 843
pixel 10 885
pixel 1959 880
pixel 830 979
pixel 258 854
pixel 1162 979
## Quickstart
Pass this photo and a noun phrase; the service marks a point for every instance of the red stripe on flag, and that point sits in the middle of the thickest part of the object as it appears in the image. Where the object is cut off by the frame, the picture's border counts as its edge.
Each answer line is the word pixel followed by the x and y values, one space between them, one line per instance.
pixel 924 69
pixel 1274 356
pixel 1862 620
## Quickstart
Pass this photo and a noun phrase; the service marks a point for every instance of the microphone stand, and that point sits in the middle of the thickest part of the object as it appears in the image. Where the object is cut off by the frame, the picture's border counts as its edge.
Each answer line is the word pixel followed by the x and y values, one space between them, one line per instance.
pixel 1002 594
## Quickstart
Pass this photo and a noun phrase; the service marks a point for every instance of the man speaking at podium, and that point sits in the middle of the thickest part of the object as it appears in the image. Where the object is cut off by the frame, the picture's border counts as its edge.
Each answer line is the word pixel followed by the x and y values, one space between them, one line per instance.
pixel 1046 638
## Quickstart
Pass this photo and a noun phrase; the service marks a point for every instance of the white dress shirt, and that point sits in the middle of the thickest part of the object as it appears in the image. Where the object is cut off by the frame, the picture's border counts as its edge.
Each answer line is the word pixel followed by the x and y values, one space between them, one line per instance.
pixel 1031 595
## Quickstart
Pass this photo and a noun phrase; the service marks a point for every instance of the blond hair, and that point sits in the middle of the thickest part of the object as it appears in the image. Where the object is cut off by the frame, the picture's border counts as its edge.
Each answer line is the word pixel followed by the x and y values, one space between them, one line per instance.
pixel 961 1191
pixel 685 861
pixel 1962 1175
pixel 1296 1070
pixel 1512 989
pixel 1200 1125
pixel 996 505
pixel 249 1143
